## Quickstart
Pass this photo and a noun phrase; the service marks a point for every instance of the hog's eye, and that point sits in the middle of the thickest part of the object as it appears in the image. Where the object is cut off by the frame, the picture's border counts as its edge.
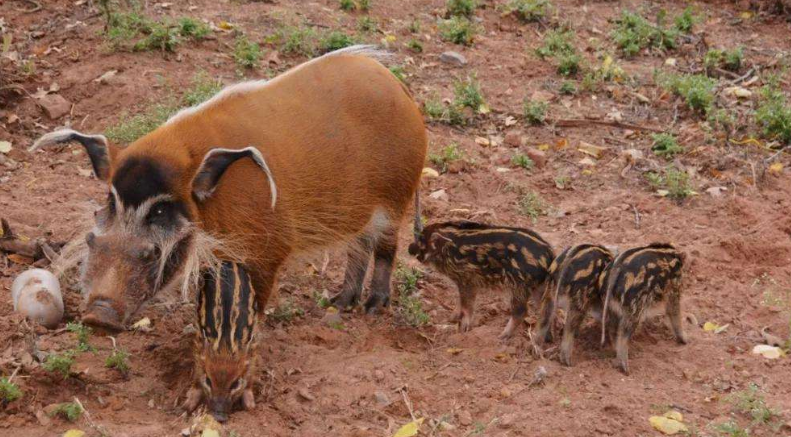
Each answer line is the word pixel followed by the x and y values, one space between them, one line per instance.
pixel 207 381
pixel 237 384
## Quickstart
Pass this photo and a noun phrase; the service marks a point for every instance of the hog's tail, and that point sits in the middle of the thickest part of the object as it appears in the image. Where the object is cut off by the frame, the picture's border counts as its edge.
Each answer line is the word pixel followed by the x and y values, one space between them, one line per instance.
pixel 418 225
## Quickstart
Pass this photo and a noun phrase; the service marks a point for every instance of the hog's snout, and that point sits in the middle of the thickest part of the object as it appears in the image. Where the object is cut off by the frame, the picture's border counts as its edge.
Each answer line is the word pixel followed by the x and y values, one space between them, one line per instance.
pixel 219 409
pixel 101 314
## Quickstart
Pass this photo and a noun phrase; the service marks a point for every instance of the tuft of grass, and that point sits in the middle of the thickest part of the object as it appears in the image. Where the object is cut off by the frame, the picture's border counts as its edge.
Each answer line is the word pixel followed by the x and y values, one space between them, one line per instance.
pixel 467 94
pixel 634 33
pixel 666 145
pixel 697 90
pixel 730 60
pixel 247 54
pixel 335 40
pixel 458 30
pixel 414 26
pixel 532 205
pixel 367 24
pixel 567 88
pixel 70 411
pixel 192 28
pixel 203 88
pixel 557 42
pixel 160 36
pixel 521 160
pixel 60 363
pixel 410 307
pixel 9 392
pixel 355 5
pixel 118 360
pixel 529 10
pixel 750 402
pixel 463 8
pixel 562 182
pixel 569 64
pixel 347 5
pixel 123 27
pixel 83 334
pixel 774 114
pixel 535 112
pixel 399 72
pixel 285 312
pixel 731 429
pixel 448 154
pixel 297 40
pixel 674 181
pixel 321 300
pixel 415 45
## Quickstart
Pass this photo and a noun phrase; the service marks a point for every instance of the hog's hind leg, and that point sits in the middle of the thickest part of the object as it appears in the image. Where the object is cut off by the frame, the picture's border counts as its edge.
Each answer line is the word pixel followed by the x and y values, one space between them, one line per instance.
pixel 384 259
pixel 358 257
pixel 673 311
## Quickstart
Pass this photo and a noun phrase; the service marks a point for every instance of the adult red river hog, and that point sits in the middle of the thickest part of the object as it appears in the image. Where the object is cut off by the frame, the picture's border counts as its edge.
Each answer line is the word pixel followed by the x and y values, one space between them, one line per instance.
pixel 328 152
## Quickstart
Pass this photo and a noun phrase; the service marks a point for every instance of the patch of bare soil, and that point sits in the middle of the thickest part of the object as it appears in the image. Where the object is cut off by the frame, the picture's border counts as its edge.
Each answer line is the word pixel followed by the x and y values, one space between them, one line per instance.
pixel 364 377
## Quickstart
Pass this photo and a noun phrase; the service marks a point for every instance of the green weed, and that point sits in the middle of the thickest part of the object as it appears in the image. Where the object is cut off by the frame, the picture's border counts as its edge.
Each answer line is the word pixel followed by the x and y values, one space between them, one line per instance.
pixel 83 334
pixel 731 429
pixel 685 21
pixel 298 40
pixel 569 64
pixel 321 300
pixel 285 312
pixel 774 114
pixel 697 90
pixel 410 307
pixel 557 42
pixel 203 88
pixel 529 10
pixel 567 88
pixel 448 154
pixel 535 112
pixel 415 45
pixel 355 5
pixel 192 28
pixel 665 145
pixel 367 24
pixel 730 60
pixel 467 94
pixel 9 392
pixel 634 33
pixel 247 54
pixel 399 72
pixel 532 205
pixel 464 8
pixel 751 402
pixel 159 36
pixel 335 40
pixel 118 360
pixel 675 182
pixel 458 30
pixel 348 5
pixel 522 160
pixel 414 26
pixel 60 363
pixel 70 411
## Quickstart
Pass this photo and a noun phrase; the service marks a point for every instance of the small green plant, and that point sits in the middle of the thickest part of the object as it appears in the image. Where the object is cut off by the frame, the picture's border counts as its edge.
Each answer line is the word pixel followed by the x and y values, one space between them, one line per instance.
pixel 655 180
pixel 399 72
pixel 335 40
pixel 415 45
pixel 448 154
pixel 697 90
pixel 83 334
pixel 774 114
pixel 535 112
pixel 562 182
pixel 9 392
pixel 529 10
pixel 666 145
pixel 634 33
pixel 567 88
pixel 677 182
pixel 467 94
pixel 60 363
pixel 464 8
pixel 299 40
pixel 364 5
pixel 247 54
pixel 414 26
pixel 569 64
pixel 118 360
pixel 731 429
pixel 532 205
pixel 724 120
pixel 477 428
pixel 367 24
pixel 321 300
pixel 458 30
pixel 123 27
pixel 70 411
pixel 557 42
pixel 750 402
pixel 160 36
pixel 522 160
pixel 437 111
pixel 348 5
pixel 410 307
pixel 285 312
pixel 192 28
pixel 203 88
pixel 730 60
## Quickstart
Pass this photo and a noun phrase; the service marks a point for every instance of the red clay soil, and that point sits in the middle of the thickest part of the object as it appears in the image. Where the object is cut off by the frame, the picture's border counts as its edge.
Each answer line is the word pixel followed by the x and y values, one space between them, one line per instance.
pixel 317 380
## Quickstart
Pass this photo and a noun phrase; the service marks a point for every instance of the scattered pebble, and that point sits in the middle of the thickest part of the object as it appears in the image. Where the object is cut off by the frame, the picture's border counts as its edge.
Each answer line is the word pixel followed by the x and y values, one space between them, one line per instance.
pixel 465 418
pixel 453 58
pixel 55 106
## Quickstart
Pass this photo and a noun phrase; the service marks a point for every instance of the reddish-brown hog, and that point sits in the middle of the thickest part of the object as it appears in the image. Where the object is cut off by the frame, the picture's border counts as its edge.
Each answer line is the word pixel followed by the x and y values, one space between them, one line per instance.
pixel 336 146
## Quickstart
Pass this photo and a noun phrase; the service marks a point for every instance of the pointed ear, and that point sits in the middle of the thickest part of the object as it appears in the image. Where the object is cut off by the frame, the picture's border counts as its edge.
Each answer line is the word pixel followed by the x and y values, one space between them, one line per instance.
pixel 97 147
pixel 217 161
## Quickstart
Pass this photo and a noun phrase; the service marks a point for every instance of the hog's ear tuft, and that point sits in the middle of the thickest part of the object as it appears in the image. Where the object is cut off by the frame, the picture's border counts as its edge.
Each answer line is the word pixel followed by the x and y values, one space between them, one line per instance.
pixel 96 146
pixel 217 161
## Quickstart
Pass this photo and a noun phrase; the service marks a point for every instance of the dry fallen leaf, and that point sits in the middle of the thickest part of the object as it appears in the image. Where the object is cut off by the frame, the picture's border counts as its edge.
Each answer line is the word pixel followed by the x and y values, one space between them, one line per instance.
pixel 429 172
pixel 769 352
pixel 590 149
pixel 776 168
pixel 410 429
pixel 455 350
pixel 715 328
pixel 143 324
pixel 74 433
pixel 481 141
pixel 668 425
pixel 5 146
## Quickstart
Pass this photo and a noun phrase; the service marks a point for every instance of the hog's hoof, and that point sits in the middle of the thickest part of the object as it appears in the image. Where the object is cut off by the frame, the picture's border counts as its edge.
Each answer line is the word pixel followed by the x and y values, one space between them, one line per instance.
pixel 248 400
pixel 465 324
pixel 194 396
pixel 376 302
pixel 344 301
pixel 682 339
pixel 565 358
pixel 623 366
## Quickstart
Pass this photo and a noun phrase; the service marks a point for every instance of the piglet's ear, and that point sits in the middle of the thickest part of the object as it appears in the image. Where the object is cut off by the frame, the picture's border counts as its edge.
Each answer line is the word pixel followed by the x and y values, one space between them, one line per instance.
pixel 96 146
pixel 217 161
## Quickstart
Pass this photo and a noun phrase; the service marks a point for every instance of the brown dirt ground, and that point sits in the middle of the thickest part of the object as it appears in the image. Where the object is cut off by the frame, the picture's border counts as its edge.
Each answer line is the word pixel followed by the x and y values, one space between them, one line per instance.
pixel 739 243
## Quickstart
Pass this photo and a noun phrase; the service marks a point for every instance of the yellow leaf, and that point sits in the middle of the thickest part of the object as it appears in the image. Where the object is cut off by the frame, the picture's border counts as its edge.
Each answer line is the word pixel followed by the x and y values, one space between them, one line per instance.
pixel 561 143
pixel 770 352
pixel 484 109
pixel 224 25
pixel 429 172
pixel 543 147
pixel 667 425
pixel 710 326
pixel 607 62
pixel 208 432
pixel 455 350
pixel 410 429
pixel 746 15
pixel 590 149
pixel 142 324
pixel 776 168
pixel 675 415
pixel 74 433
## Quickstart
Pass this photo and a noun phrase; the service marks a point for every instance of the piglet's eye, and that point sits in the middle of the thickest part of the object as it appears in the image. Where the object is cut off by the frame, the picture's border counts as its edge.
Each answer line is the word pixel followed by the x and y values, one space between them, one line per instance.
pixel 208 382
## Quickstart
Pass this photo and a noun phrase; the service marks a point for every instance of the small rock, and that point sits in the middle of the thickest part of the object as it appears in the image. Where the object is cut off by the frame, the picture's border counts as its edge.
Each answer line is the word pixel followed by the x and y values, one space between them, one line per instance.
pixel 671 62
pixel 55 106
pixel 440 194
pixel 716 191
pixel 502 170
pixel 453 58
pixel 632 154
pixel 43 418
pixel 429 172
pixel 379 375
pixel 539 157
pixel 587 162
pixel 105 78
pixel 151 404
pixel 381 399
pixel 504 392
pixel 305 394
pixel 5 146
pixel 445 426
pixel 513 139
pixel 465 418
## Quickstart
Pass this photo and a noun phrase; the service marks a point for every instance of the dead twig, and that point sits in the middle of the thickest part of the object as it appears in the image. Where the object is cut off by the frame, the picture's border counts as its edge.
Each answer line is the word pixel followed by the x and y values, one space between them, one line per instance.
pixel 36 7
pixel 581 122
pixel 636 217
pixel 407 402
pixel 98 428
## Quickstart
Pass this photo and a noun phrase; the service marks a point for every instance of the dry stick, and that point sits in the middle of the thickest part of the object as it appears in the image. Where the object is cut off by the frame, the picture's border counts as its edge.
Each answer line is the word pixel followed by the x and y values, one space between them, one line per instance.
pixel 636 217
pixel 11 378
pixel 36 7
pixel 99 428
pixel 407 402
pixel 580 122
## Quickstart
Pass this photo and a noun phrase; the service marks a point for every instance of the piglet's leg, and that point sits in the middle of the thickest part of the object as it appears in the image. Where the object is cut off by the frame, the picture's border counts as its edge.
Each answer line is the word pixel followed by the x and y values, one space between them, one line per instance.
pixel 626 328
pixel 574 320
pixel 673 311
pixel 518 311
pixel 194 396
pixel 547 317
pixel 467 306
pixel 248 400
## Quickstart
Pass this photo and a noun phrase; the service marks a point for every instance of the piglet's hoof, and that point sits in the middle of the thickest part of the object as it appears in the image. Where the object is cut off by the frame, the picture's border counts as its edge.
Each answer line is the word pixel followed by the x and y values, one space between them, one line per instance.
pixel 194 396
pixel 248 401
pixel 344 301
pixel 376 302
